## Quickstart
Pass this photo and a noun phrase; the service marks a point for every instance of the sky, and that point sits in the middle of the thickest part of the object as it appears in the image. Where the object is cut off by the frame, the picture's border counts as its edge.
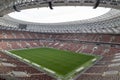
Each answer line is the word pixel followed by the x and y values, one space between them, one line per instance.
pixel 58 14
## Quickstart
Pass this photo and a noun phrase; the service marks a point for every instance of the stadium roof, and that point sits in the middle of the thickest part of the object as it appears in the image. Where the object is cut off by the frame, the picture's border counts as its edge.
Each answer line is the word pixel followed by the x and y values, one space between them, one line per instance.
pixel 107 23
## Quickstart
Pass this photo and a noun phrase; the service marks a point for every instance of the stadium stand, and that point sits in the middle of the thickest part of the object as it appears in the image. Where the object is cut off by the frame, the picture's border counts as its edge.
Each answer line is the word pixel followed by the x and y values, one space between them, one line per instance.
pixel 102 46
pixel 17 70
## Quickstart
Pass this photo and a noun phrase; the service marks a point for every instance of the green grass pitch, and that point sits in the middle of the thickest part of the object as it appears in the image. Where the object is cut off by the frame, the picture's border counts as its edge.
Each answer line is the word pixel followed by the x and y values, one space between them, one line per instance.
pixel 61 62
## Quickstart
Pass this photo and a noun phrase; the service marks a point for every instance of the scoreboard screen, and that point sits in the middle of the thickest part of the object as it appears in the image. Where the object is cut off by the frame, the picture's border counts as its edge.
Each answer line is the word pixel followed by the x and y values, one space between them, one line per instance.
pixel 22 26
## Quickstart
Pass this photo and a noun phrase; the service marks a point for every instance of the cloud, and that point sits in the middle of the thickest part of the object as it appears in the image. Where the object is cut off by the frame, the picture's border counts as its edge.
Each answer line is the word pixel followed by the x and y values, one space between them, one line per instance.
pixel 58 14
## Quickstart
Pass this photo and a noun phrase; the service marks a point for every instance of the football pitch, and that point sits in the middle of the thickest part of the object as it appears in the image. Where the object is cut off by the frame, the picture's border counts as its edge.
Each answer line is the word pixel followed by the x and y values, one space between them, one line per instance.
pixel 59 61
